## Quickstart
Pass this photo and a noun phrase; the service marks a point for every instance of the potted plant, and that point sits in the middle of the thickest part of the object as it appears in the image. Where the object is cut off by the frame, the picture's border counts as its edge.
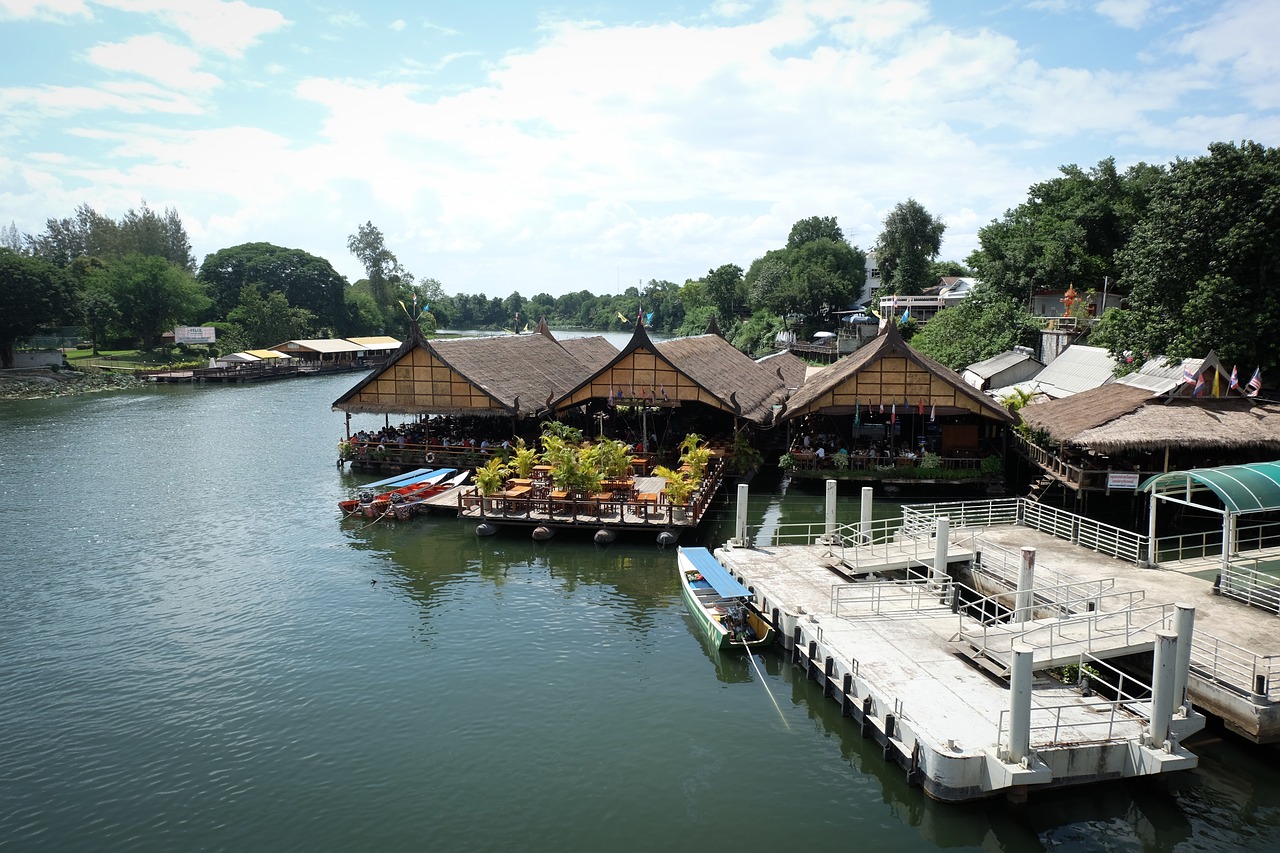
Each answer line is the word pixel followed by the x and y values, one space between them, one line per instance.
pixel 679 488
pixel 491 477
pixel 744 457
pixel 524 460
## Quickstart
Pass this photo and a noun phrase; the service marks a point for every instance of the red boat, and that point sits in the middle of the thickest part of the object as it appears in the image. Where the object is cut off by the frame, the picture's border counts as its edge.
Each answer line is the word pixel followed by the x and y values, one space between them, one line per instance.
pixel 372 505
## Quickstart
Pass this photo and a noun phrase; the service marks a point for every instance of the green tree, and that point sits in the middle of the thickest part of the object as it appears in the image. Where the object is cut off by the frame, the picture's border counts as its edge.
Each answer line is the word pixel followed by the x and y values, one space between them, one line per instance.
pixel 984 324
pixel 825 276
pixel 388 281
pixel 306 281
pixel 910 241
pixel 1202 268
pixel 724 287
pixel 814 228
pixel 33 294
pixel 152 295
pixel 91 234
pixel 270 320
pixel 1068 231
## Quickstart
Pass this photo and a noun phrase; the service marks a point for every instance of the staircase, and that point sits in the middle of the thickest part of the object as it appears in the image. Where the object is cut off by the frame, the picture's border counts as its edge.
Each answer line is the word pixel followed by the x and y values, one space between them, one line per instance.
pixel 1040 488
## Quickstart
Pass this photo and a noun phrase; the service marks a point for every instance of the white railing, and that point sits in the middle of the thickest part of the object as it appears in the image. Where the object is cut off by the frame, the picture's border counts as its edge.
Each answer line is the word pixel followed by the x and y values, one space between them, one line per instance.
pixel 891 598
pixel 1208 543
pixel 1234 666
pixel 962 514
pixel 1130 706
pixel 1087 629
pixel 1242 581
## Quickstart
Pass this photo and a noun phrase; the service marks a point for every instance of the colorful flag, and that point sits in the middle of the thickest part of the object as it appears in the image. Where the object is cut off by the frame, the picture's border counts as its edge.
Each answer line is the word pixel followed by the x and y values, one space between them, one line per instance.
pixel 1199 389
pixel 1234 382
pixel 893 413
pixel 623 317
pixel 933 414
pixel 1216 392
pixel 1255 383
pixel 1187 375
pixel 882 407
pixel 906 316
pixel 857 414
pixel 648 319
pixel 922 408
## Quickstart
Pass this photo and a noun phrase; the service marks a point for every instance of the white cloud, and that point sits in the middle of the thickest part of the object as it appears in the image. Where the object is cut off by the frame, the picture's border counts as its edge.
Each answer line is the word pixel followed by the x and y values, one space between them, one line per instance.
pixel 1239 38
pixel 227 26
pixel 397 25
pixel 51 10
pixel 155 57
pixel 347 19
pixel 1125 13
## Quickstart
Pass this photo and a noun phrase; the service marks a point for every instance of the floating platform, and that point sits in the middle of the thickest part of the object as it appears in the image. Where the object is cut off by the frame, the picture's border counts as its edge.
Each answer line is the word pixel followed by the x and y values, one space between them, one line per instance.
pixel 884 650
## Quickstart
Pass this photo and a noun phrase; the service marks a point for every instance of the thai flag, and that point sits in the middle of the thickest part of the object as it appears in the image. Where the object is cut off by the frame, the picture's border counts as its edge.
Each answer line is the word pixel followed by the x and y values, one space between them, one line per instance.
pixel 1255 383
pixel 1235 379
pixel 1187 375
pixel 1199 385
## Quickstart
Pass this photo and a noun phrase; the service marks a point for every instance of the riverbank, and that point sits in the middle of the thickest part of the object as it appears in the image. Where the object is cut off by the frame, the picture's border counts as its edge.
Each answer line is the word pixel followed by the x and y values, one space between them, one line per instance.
pixel 38 384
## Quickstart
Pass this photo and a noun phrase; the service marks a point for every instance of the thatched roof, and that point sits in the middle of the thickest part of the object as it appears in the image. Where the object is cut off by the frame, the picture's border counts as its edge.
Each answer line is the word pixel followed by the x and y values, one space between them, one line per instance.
pixel 501 375
pixel 704 369
pixel 787 366
pixel 888 371
pixel 1217 424
pixel 1065 418
pixel 592 353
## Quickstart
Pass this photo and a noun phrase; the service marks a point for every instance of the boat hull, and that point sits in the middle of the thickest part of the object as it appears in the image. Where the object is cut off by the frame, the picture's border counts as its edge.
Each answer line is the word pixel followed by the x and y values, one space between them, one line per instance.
pixel 726 623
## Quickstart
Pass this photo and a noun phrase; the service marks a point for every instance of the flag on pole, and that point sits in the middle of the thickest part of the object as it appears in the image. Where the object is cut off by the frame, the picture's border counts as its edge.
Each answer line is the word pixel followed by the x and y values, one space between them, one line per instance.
pixel 857 414
pixel 623 317
pixel 922 408
pixel 1234 382
pixel 1199 389
pixel 1216 392
pixel 933 414
pixel 1255 383
pixel 1187 376
pixel 893 413
pixel 882 407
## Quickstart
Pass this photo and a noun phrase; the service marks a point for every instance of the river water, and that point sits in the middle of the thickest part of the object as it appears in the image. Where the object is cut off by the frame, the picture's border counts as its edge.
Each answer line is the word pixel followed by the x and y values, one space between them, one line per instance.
pixel 196 652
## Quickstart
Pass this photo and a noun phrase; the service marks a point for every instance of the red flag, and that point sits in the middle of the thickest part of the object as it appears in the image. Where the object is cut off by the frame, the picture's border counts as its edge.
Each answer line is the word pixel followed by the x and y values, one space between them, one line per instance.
pixel 922 408
pixel 893 413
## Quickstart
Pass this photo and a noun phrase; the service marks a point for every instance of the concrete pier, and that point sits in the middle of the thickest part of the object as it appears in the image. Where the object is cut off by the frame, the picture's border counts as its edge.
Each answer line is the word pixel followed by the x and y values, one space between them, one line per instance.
pixel 884 649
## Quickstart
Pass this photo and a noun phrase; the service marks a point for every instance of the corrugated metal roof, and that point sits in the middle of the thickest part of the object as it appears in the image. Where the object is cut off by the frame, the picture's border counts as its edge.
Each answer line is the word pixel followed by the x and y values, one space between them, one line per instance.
pixel 991 366
pixel 1160 376
pixel 322 345
pixel 1077 369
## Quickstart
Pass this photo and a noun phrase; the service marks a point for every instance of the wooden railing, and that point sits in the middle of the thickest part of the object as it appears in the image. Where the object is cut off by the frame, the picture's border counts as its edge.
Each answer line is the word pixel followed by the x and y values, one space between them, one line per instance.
pixel 1071 475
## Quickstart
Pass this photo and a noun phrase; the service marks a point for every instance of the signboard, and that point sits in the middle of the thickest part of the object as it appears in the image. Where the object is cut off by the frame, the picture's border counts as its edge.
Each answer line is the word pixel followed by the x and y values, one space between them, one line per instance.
pixel 194 334
pixel 1122 479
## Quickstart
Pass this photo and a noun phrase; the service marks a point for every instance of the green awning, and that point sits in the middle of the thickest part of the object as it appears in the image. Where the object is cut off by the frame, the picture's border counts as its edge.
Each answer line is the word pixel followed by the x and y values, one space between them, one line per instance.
pixel 1241 488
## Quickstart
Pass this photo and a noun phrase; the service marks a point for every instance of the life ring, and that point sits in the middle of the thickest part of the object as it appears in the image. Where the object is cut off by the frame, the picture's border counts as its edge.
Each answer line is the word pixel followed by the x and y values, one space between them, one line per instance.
pixel 429 458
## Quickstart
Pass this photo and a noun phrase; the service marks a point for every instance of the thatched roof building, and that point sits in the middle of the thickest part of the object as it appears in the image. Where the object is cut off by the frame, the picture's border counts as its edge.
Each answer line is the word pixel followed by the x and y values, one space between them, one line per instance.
pixel 787 366
pixel 1117 419
pixel 887 371
pixel 515 375
pixel 703 369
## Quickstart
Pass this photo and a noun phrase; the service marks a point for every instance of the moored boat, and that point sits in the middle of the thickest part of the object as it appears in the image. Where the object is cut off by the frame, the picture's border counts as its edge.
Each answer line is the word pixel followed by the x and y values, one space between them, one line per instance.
pixel 719 603
pixel 371 504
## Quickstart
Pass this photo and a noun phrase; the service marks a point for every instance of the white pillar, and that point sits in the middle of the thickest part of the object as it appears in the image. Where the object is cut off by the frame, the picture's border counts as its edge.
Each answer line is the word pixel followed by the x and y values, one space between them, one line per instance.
pixel 740 521
pixel 1020 675
pixel 1184 621
pixel 1226 538
pixel 941 532
pixel 1153 555
pixel 864 516
pixel 1162 669
pixel 830 527
pixel 1023 610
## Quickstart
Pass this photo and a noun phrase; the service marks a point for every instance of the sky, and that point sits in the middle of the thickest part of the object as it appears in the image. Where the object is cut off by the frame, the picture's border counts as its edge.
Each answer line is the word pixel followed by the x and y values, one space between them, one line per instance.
pixel 554 147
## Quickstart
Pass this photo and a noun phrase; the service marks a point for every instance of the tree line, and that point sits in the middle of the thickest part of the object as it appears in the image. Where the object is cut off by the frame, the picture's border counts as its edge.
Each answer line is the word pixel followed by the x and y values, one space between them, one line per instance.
pixel 1193 248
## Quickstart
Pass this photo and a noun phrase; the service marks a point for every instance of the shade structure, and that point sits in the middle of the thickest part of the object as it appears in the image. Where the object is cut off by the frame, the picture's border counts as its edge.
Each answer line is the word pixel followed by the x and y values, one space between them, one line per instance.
pixel 1241 488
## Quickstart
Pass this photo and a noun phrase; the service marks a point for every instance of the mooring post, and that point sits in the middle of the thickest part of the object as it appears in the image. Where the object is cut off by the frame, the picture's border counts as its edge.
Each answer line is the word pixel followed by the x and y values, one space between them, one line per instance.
pixel 941 531
pixel 1162 669
pixel 740 520
pixel 829 528
pixel 1020 674
pixel 864 516
pixel 1023 609
pixel 1184 621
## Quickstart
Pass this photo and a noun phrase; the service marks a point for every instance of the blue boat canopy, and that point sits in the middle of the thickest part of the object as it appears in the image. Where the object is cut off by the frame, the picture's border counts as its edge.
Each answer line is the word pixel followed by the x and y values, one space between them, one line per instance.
pixel 715 574
pixel 398 479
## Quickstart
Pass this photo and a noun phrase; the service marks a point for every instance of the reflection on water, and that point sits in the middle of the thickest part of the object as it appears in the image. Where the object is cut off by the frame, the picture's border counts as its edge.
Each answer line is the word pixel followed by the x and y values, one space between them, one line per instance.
pixel 197 652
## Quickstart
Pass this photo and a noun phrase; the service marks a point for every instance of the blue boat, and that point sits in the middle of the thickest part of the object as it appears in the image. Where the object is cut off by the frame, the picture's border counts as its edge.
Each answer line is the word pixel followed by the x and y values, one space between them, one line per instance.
pixel 721 605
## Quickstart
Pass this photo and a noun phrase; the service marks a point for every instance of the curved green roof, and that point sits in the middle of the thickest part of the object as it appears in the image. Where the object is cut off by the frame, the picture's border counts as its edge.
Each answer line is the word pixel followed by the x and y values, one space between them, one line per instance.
pixel 1242 488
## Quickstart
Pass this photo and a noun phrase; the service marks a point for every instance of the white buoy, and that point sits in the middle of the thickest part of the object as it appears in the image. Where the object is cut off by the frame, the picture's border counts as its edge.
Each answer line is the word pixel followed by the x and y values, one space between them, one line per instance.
pixel 486 529
pixel 542 533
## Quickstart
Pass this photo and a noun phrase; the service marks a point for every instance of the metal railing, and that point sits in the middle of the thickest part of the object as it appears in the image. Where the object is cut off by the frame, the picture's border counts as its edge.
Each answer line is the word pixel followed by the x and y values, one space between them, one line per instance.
pixel 1131 706
pixel 1244 582
pixel 892 598
pixel 1234 667
pixel 1078 529
pixel 1208 543
pixel 1097 626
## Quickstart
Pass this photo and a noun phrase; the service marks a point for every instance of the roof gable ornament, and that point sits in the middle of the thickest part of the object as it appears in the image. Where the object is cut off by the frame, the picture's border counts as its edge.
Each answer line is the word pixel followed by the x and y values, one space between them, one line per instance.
pixel 713 328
